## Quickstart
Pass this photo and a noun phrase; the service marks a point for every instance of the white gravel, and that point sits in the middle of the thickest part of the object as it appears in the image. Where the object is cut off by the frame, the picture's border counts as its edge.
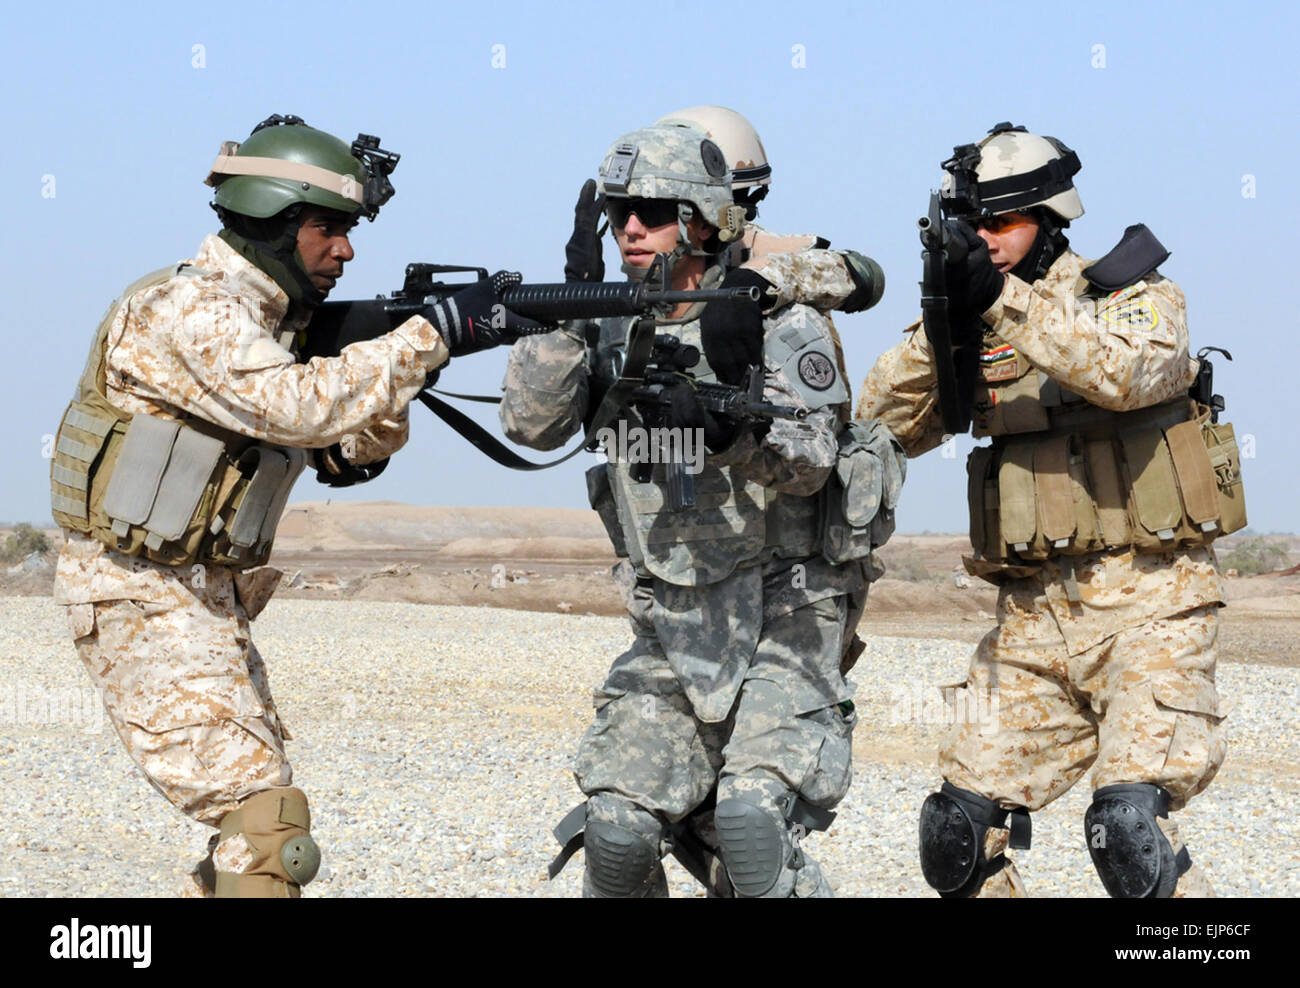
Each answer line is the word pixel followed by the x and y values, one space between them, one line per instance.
pixel 435 743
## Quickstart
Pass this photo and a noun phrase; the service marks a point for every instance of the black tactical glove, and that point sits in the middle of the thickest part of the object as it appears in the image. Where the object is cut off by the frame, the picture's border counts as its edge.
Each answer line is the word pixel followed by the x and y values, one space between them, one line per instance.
pixel 973 282
pixel 476 319
pixel 732 332
pixel 584 259
pixel 687 413
pixel 334 470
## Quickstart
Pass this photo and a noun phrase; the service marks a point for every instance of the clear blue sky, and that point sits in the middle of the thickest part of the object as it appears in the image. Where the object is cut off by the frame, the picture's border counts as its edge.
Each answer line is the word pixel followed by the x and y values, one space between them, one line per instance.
pixel 1170 107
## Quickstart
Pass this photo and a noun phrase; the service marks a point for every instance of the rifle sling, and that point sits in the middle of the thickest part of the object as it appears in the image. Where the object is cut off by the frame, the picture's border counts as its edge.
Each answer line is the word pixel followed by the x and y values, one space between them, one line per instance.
pixel 640 347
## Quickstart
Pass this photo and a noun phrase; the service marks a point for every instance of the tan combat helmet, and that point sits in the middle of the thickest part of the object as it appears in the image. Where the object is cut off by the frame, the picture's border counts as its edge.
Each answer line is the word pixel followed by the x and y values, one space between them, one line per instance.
pixel 750 173
pixel 1009 171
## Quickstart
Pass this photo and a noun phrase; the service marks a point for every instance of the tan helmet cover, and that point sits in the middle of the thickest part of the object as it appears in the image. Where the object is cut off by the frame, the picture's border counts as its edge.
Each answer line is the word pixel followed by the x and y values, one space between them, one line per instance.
pixel 734 134
pixel 1017 153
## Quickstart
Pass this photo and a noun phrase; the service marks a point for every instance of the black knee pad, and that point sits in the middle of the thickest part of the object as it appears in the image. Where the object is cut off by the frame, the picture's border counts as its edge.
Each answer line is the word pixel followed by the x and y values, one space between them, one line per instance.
pixel 752 843
pixel 1129 850
pixel 954 823
pixel 620 863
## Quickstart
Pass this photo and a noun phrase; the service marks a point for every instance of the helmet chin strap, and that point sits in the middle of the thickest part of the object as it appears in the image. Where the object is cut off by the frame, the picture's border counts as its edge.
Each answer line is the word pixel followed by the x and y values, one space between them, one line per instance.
pixel 271 245
pixel 1048 245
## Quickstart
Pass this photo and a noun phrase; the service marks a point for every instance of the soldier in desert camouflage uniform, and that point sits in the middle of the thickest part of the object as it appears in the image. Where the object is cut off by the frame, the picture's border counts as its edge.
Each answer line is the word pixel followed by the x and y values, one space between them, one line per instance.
pixel 1093 510
pixel 734 677
pixel 176 457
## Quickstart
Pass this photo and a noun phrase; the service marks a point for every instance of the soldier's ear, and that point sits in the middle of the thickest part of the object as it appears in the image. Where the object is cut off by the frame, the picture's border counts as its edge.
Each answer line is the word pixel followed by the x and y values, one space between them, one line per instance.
pixel 699 231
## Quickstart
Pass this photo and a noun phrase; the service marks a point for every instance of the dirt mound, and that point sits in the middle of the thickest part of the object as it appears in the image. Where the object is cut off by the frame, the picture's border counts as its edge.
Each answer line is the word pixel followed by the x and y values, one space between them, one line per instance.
pixel 551 547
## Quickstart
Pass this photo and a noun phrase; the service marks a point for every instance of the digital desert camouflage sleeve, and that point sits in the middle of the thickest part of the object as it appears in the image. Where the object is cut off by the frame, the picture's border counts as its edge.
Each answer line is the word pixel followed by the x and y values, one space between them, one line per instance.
pixel 194 347
pixel 380 440
pixel 793 457
pixel 814 277
pixel 1125 351
pixel 544 395
pixel 901 390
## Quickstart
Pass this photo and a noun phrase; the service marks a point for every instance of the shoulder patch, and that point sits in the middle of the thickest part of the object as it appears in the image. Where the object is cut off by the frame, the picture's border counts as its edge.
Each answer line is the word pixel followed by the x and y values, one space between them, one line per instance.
pixel 1134 313
pixel 999 364
pixel 816 370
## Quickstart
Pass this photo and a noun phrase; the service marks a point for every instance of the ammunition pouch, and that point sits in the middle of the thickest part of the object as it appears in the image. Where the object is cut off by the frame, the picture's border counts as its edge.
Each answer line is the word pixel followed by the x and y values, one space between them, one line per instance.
pixel 174 492
pixel 1155 479
pixel 859 497
pixel 169 491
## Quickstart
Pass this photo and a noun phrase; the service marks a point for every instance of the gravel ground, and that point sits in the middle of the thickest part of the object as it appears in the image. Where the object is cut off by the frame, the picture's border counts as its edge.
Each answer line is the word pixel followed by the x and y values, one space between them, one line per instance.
pixel 435 751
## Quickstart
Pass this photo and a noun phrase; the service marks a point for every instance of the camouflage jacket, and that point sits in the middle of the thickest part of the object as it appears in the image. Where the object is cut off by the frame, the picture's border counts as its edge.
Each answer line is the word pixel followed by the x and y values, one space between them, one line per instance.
pixel 1121 351
pixel 216 347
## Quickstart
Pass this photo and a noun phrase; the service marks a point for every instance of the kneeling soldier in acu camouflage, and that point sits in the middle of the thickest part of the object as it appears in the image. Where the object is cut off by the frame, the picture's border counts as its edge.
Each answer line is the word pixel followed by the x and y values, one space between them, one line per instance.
pixel 190 424
pixel 1093 510
pixel 734 677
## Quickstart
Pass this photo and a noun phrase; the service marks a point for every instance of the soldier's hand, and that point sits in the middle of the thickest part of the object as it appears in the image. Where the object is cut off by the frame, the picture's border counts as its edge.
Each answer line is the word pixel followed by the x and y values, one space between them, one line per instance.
pixel 686 412
pixel 334 470
pixel 475 318
pixel 732 332
pixel 583 258
pixel 973 282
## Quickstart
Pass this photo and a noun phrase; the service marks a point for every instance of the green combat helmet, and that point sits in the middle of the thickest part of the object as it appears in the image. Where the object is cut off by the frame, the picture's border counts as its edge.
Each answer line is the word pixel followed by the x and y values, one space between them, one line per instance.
pixel 680 163
pixel 263 184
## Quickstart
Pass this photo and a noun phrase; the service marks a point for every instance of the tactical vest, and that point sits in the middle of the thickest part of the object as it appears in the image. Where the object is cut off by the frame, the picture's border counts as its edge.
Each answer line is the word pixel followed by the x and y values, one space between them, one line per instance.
pixel 1065 477
pixel 735 521
pixel 174 491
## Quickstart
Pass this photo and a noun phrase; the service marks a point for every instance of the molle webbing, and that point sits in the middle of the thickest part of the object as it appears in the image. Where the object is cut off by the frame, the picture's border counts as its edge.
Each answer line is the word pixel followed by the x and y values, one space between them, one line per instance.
pixel 166 489
pixel 1155 479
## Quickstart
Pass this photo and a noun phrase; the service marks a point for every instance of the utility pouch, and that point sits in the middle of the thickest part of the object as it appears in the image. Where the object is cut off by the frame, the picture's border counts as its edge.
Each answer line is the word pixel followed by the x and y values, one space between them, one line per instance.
pixel 162 471
pixel 1225 461
pixel 859 497
pixel 271 472
pixel 1153 484
pixel 600 494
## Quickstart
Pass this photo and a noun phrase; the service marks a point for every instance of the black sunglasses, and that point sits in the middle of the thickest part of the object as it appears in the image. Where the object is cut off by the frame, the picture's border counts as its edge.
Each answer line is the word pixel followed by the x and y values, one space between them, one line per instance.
pixel 651 212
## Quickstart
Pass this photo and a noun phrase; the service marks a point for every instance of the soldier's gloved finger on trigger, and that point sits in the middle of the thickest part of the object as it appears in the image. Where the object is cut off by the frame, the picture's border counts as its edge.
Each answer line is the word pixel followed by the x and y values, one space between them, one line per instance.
pixel 584 257
pixel 732 332
pixel 688 413
pixel 475 318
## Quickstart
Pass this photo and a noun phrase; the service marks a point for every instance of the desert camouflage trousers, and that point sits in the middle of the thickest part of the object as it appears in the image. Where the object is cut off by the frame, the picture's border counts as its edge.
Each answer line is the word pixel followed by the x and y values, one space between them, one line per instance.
pixel 647 761
pixel 186 691
pixel 1139 706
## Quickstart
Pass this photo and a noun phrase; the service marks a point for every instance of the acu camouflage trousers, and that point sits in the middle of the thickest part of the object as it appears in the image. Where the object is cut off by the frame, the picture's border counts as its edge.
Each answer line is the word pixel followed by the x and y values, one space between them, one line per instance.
pixel 649 760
